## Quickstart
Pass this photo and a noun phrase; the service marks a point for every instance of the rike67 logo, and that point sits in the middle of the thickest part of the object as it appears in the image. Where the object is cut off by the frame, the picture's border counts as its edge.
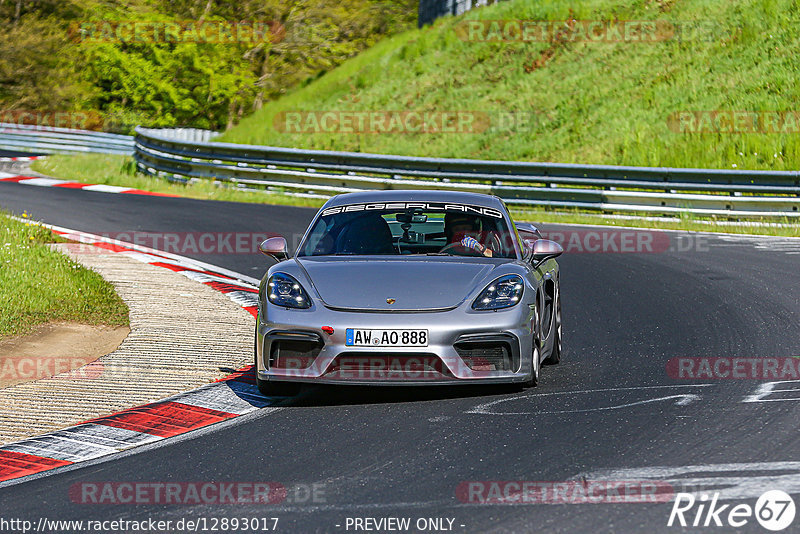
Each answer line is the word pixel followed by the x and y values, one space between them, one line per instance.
pixel 774 510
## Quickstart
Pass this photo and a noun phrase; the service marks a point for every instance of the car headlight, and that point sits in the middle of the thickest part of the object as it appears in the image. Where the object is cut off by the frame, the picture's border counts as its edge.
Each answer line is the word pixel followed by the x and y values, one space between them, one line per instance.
pixel 504 292
pixel 283 290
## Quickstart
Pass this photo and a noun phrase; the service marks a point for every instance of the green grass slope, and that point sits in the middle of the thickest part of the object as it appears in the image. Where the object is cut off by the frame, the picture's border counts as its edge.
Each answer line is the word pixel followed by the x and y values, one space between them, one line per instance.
pixel 586 102
pixel 40 285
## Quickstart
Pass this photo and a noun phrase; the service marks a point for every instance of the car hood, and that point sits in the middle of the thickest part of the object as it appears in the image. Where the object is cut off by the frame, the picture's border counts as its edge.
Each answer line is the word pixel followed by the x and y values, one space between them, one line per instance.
pixel 419 283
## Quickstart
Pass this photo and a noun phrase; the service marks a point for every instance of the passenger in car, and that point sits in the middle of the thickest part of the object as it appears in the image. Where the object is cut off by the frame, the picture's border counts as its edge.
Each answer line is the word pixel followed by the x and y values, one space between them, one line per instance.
pixel 466 231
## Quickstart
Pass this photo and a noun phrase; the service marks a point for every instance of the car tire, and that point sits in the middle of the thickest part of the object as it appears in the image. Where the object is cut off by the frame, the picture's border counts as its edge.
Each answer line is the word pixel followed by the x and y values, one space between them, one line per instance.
pixel 271 388
pixel 533 381
pixel 555 355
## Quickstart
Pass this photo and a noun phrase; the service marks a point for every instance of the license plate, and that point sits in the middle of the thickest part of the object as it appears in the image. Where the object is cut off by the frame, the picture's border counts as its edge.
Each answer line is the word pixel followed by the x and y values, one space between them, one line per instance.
pixel 359 337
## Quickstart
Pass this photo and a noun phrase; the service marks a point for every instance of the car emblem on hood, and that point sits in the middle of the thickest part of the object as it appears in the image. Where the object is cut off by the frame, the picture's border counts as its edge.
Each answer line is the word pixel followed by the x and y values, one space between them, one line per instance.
pixel 390 301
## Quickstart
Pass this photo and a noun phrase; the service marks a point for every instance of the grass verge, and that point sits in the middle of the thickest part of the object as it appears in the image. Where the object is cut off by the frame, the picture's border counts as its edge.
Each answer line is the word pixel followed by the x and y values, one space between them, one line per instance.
pixel 121 171
pixel 565 98
pixel 40 285
pixel 774 227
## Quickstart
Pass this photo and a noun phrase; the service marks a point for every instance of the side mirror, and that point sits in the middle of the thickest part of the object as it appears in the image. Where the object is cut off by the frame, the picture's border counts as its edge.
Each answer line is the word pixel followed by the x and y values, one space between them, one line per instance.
pixel 544 249
pixel 274 247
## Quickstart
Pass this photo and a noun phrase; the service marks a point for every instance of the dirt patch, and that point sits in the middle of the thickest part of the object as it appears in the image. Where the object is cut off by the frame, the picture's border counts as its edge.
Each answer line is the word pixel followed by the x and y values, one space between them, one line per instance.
pixel 61 350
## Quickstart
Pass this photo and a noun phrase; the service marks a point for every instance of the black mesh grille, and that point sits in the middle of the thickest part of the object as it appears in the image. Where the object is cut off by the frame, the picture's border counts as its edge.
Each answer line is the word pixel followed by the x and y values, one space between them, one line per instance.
pixel 388 366
pixel 293 354
pixel 486 356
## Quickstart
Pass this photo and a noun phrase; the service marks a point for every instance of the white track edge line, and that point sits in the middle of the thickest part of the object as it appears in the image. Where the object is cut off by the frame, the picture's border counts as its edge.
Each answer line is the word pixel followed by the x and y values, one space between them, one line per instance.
pixel 189 261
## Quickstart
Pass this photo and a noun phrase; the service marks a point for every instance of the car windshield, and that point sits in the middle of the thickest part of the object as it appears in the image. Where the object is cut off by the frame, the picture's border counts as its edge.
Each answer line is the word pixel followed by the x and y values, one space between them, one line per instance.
pixel 410 228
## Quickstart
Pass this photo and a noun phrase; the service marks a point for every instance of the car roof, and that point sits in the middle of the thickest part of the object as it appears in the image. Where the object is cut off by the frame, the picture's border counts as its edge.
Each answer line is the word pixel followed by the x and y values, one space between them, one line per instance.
pixel 416 195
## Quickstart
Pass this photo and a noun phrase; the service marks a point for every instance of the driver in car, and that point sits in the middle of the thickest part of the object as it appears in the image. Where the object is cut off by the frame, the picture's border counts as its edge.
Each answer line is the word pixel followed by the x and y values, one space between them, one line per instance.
pixel 465 230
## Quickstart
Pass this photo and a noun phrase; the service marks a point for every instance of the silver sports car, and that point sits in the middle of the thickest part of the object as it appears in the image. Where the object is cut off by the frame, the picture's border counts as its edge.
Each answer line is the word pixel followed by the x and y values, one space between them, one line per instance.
pixel 409 287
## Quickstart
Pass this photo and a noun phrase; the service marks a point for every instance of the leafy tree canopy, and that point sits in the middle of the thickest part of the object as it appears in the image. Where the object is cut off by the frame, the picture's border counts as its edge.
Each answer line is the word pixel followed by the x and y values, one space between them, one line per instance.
pixel 71 55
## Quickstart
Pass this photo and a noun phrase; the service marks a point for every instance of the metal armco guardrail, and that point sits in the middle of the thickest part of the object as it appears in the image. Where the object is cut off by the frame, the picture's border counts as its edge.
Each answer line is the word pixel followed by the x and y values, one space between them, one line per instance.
pixel 51 140
pixel 189 153
pixel 651 190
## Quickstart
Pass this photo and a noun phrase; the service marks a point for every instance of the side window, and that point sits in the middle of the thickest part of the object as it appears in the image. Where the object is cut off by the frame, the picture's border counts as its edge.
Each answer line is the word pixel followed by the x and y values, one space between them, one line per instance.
pixel 319 241
pixel 496 237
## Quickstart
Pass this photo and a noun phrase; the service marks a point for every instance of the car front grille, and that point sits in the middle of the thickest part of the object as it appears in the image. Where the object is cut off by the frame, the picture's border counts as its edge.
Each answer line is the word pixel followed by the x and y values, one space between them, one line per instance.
pixel 486 356
pixel 293 354
pixel 377 366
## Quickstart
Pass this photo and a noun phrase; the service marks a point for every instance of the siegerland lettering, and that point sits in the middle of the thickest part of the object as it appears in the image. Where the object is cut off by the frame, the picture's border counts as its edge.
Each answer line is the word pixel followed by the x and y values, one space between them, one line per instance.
pixel 478 210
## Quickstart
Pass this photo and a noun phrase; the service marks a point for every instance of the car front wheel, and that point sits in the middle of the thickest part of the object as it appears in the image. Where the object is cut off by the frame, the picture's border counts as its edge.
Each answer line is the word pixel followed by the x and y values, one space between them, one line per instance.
pixel 555 355
pixel 534 378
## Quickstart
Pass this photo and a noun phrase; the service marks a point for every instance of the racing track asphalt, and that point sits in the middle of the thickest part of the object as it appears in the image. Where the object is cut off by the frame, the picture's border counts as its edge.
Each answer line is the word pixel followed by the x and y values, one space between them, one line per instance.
pixel 403 452
pixel 16 153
